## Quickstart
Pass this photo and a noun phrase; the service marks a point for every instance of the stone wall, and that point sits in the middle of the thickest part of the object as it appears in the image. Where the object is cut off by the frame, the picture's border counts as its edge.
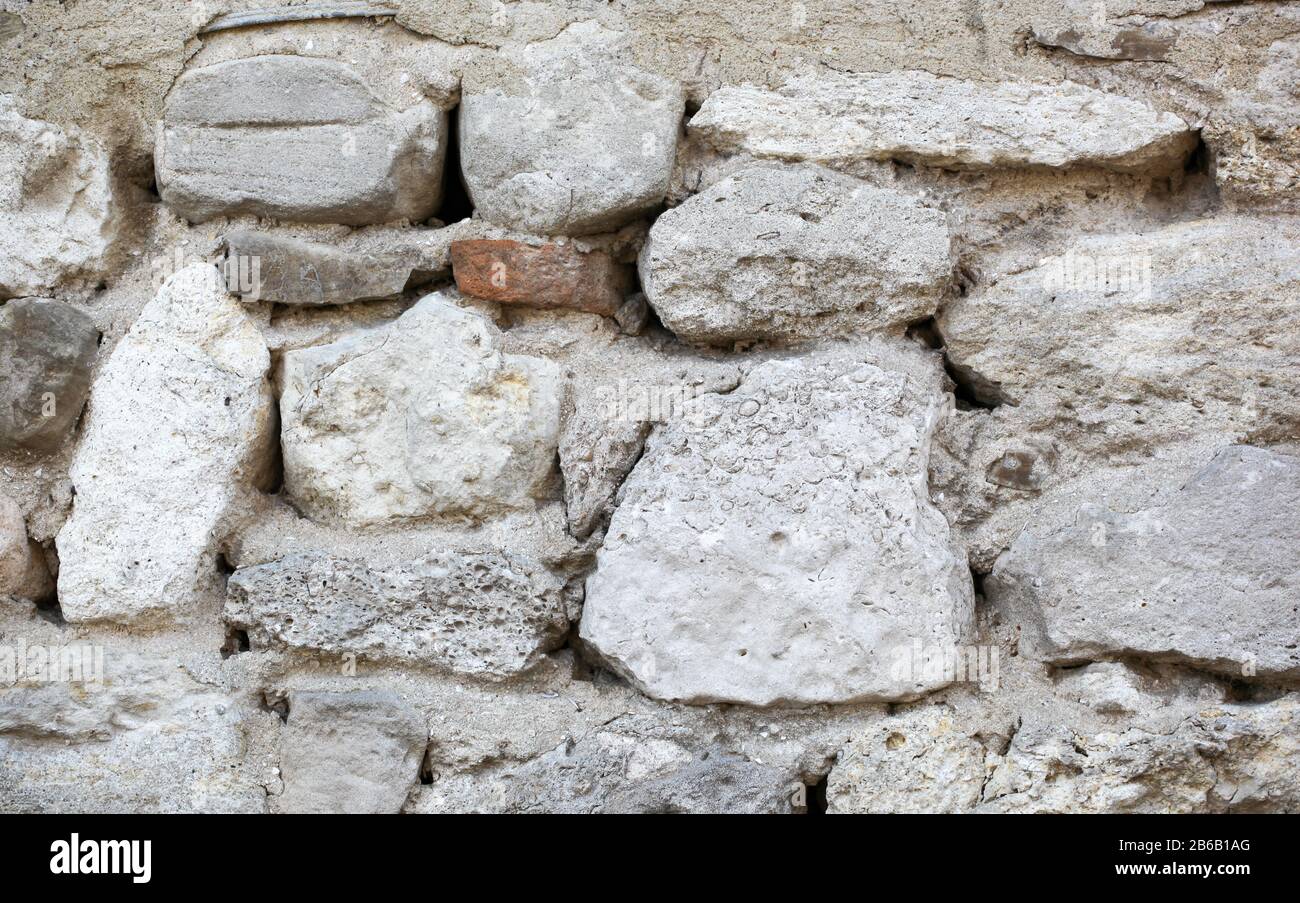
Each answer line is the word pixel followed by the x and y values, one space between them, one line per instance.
pixel 612 406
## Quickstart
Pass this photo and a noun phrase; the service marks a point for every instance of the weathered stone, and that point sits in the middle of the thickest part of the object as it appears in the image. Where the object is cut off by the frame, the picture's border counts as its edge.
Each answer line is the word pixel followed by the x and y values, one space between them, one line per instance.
pixel 918 762
pixel 288 271
pixel 792 252
pixel 603 436
pixel 354 752
pixel 98 721
pixel 1225 758
pixel 546 276
pixel 489 615
pixel 424 416
pixel 1222 758
pixel 1200 319
pixel 777 545
pixel 578 143
pixel 614 771
pixel 1110 688
pixel 934 120
pixel 296 138
pixel 1124 353
pixel 22 565
pixel 48 349
pixel 180 421
pixel 1211 578
pixel 58 217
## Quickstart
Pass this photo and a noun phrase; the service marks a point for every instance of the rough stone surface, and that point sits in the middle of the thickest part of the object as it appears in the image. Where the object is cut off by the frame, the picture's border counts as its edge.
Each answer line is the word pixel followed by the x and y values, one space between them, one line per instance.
pixel 604 435
pixel 1121 355
pixel 1108 399
pixel 299 139
pixel 777 252
pixel 356 752
pixel 776 545
pixel 48 349
pixel 180 421
pixel 484 615
pixel 575 143
pixel 1211 578
pixel 615 771
pixel 909 116
pixel 547 276
pixel 262 266
pixel 1220 758
pixel 22 566
pixel 425 416
pixel 58 214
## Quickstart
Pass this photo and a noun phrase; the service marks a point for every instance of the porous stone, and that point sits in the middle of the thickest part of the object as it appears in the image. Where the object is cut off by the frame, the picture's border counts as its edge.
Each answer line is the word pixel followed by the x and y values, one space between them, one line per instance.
pixel 489 615
pixel 48 349
pixel 545 276
pixel 575 142
pixel 1210 578
pixel 787 252
pixel 1124 353
pixel 776 544
pixel 58 215
pixel 935 120
pixel 604 434
pixel 180 422
pixel 1220 758
pixel 284 270
pixel 22 565
pixel 296 138
pixel 423 416
pixel 1204 313
pixel 614 771
pixel 355 752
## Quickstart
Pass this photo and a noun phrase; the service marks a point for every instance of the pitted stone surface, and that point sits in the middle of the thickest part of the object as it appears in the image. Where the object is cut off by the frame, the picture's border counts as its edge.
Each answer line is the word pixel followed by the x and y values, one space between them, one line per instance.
pixel 422 417
pixel 488 615
pixel 792 252
pixel 776 544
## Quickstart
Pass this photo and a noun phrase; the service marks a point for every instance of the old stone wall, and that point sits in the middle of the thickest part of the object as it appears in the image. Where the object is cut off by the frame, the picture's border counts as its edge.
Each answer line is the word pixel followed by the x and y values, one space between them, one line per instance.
pixel 588 406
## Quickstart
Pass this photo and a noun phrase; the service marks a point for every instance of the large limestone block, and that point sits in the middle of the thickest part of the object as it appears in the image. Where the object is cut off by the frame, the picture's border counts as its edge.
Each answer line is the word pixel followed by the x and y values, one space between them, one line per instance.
pixel 1162 335
pixel 777 545
pixel 58 218
pixel 1210 578
pixel 48 349
pixel 571 141
pixel 180 422
pixel 351 752
pixel 790 252
pixel 424 416
pixel 296 138
pixel 489 615
pixel 934 120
